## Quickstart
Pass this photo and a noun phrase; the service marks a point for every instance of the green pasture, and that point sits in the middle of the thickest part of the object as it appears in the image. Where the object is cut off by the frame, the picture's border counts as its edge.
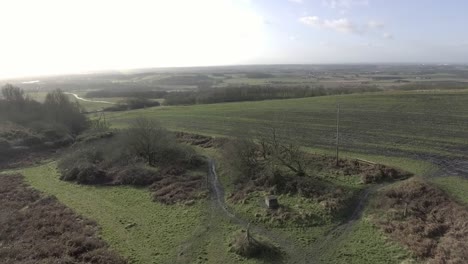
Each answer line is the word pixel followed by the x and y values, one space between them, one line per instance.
pixel 392 126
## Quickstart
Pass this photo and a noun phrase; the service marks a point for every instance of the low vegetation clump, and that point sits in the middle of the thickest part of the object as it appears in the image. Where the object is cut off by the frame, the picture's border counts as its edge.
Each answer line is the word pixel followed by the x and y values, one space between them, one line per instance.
pixel 38 229
pixel 178 188
pixel 424 219
pixel 245 245
pixel 200 140
pixel 144 155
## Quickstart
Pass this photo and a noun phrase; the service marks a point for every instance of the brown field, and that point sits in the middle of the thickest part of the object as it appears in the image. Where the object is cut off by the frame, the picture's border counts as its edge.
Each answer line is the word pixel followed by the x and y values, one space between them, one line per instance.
pixel 425 220
pixel 38 229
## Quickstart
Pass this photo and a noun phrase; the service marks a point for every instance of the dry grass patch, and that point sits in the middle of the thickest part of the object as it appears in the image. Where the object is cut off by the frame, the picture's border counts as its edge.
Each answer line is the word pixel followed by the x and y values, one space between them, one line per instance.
pixel 424 219
pixel 38 229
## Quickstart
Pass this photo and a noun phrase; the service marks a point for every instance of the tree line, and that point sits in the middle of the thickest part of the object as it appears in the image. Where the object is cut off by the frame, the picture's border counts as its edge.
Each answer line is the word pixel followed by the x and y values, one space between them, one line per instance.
pixel 255 93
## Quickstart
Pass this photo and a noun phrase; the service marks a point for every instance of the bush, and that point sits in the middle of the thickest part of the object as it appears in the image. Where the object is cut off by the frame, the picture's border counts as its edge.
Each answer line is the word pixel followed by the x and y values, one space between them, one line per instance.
pixel 135 175
pixel 81 165
pixel 242 156
pixel 146 138
pixel 91 174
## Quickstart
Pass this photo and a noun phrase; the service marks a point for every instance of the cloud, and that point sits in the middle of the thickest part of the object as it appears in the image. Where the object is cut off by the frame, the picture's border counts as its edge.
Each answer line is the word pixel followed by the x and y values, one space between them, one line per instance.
pixel 342 25
pixel 387 35
pixel 311 21
pixel 375 24
pixel 296 1
pixel 345 4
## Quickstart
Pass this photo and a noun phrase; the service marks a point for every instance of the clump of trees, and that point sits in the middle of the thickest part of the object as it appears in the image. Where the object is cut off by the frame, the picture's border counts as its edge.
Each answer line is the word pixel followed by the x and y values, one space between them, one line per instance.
pixel 59 109
pixel 146 138
pixel 128 157
pixel 199 80
pixel 126 93
pixel 265 161
pixel 255 93
pixel 57 113
pixel 133 103
pixel 259 75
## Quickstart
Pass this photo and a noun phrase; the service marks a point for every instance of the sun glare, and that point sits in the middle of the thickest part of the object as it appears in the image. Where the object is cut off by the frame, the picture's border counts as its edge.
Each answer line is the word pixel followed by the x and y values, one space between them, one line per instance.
pixel 57 36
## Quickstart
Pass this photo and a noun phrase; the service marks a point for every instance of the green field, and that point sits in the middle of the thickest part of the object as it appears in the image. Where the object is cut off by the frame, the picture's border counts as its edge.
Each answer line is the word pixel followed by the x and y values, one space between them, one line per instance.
pixel 418 128
pixel 457 187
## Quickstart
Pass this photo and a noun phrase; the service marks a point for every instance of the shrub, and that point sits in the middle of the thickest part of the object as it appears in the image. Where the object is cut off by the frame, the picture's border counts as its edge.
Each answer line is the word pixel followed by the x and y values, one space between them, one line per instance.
pixel 147 139
pixel 134 175
pixel 91 174
pixel 59 109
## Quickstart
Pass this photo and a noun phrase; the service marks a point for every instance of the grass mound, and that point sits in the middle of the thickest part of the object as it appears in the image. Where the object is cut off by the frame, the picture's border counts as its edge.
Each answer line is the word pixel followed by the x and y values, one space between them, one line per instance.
pixel 247 246
pixel 425 220
pixel 38 229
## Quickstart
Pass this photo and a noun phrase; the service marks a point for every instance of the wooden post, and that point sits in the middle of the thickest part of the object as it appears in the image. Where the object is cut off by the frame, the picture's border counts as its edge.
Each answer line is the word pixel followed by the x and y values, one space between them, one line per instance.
pixel 337 133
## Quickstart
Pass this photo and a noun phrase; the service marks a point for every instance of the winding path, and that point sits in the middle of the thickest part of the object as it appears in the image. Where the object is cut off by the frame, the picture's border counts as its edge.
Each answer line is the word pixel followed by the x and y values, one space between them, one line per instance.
pixel 294 253
pixel 87 100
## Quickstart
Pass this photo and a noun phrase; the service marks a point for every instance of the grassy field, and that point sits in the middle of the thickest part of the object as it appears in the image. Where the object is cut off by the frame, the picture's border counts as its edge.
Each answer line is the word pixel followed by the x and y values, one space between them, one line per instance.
pixel 396 126
pixel 364 244
pixel 457 187
pixel 158 229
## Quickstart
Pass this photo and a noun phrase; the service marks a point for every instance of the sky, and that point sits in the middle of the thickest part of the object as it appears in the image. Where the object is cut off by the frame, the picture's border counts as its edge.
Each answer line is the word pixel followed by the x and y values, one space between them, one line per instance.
pixel 76 36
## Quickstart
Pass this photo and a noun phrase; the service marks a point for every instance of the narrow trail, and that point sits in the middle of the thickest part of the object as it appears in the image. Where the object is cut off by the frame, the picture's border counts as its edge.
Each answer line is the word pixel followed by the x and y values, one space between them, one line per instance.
pixel 294 253
pixel 87 100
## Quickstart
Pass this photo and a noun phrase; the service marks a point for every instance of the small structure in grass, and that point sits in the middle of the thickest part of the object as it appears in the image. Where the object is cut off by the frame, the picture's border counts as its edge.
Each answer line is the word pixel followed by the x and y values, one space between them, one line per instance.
pixel 271 202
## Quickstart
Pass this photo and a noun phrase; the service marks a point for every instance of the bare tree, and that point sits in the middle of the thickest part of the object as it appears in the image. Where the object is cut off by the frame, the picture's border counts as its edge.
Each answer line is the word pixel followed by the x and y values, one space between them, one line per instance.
pixel 286 153
pixel 13 93
pixel 147 139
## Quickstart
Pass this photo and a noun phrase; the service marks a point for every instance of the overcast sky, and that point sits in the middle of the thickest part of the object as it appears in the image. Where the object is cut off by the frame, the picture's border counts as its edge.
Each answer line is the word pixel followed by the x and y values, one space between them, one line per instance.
pixel 69 36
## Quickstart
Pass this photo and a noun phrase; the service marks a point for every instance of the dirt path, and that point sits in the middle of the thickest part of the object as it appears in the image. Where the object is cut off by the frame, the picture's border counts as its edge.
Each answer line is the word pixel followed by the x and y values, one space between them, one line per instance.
pixel 295 254
pixel 87 100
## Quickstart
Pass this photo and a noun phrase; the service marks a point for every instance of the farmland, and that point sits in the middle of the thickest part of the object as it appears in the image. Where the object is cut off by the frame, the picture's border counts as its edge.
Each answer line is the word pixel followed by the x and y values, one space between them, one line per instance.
pixel 422 128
